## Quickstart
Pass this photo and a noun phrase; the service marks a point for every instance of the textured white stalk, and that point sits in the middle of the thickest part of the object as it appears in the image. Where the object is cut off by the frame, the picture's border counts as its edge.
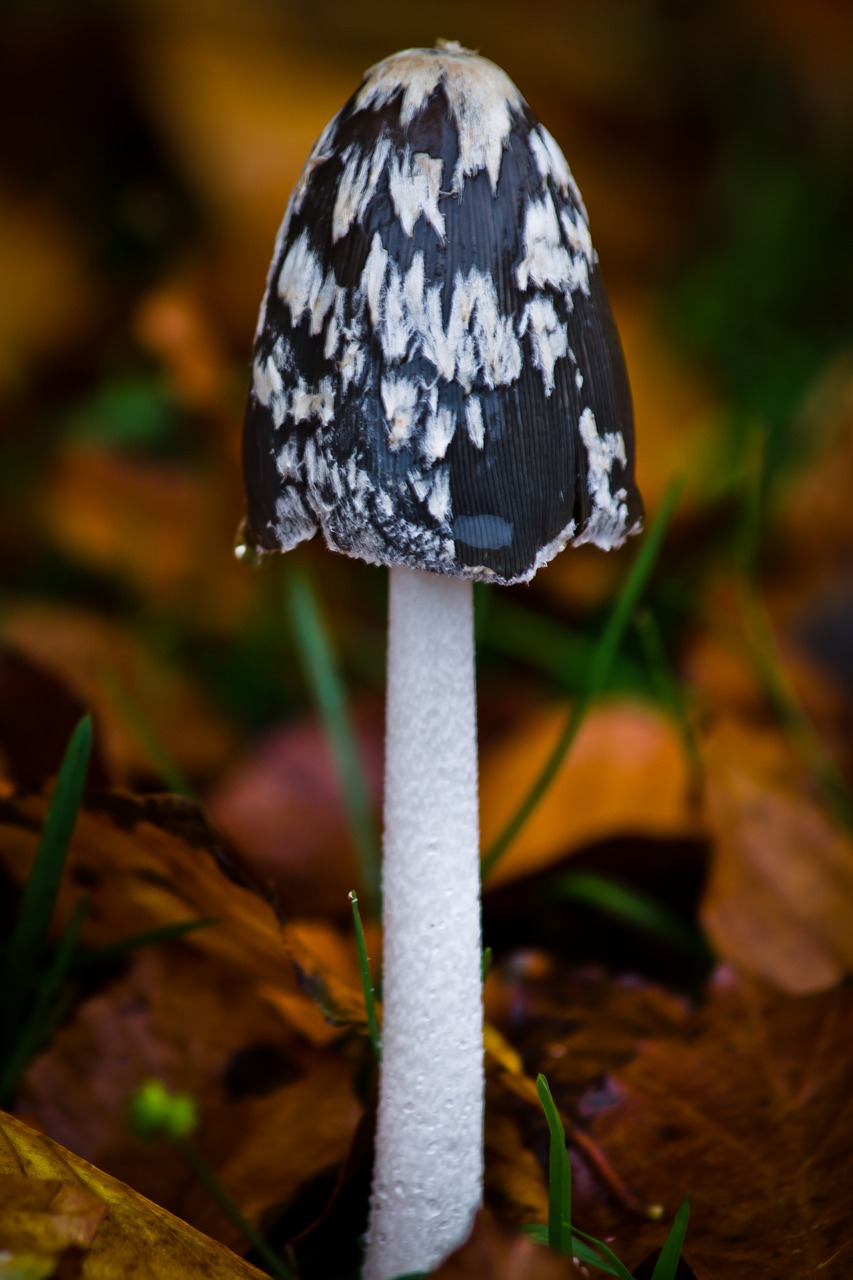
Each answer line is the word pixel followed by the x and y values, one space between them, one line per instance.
pixel 428 1176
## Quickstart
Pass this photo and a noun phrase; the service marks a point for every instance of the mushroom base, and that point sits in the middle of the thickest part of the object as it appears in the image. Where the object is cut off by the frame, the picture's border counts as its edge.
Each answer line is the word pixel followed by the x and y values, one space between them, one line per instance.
pixel 429 1145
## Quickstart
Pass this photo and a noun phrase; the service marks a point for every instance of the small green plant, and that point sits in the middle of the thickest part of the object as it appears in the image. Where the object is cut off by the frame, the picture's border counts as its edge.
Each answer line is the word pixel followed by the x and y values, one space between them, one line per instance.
pixel 563 1238
pixel 154 1112
pixel 366 979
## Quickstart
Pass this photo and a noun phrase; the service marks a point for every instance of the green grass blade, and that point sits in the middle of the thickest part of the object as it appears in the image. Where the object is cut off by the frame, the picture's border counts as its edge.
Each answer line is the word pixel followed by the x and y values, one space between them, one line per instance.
pixel 21 964
pixel 538 641
pixel 670 695
pixel 667 1264
pixel 208 1179
pixel 38 1025
pixel 600 672
pixel 559 1174
pixel 366 979
pixel 583 1252
pixel 763 650
pixel 316 655
pixel 115 951
pixel 632 906
pixel 155 1112
pixel 635 585
pixel 146 737
pixel 828 779
pixel 598 1254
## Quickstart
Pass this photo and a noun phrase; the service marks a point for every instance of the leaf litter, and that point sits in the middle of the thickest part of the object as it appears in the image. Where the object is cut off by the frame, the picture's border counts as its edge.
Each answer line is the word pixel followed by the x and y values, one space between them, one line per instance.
pixel 743 1102
pixel 117 561
pixel 260 1057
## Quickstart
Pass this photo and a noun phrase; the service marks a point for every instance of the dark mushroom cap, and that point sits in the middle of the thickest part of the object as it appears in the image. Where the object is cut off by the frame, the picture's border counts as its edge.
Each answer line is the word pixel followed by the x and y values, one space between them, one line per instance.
pixel 438 381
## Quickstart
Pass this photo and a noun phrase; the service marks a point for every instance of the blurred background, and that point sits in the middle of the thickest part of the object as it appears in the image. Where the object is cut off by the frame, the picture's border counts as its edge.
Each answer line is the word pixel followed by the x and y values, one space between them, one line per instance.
pixel 148 152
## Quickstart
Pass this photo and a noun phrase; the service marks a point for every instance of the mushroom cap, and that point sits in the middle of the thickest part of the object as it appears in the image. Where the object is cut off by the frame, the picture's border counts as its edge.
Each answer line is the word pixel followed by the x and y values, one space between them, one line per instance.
pixel 437 378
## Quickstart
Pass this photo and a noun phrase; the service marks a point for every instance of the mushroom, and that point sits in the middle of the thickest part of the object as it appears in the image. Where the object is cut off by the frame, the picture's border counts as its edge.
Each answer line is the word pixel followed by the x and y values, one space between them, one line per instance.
pixel 438 386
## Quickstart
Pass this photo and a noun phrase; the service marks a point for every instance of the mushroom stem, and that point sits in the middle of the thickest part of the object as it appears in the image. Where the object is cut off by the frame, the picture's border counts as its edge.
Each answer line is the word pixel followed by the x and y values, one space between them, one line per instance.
pixel 428 1175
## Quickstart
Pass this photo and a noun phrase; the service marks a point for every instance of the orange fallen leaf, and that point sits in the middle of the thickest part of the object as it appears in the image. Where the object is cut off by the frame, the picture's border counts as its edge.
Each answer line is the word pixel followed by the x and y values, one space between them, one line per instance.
pixel 145 863
pixel 47 292
pixel 125 515
pixel 171 323
pixel 109 669
pixel 118 1231
pixel 625 774
pixel 779 900
pixel 163 529
pixel 327 970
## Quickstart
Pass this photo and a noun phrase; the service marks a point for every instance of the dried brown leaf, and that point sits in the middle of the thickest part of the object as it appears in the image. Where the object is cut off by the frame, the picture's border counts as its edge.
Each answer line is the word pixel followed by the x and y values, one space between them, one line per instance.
pixel 201 1013
pixel 744 1103
pixel 47 1216
pixel 166 530
pixel 779 900
pixel 110 670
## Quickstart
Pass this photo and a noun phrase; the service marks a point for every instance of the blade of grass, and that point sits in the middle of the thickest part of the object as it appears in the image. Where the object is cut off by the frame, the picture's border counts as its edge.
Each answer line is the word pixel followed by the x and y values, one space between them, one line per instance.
pixel 670 694
pixel 146 738
pixel 193 1158
pixel 667 1263
pixel 116 950
pixel 635 584
pixel 539 641
pixel 750 485
pixel 316 655
pixel 38 1025
pixel 366 979
pixel 20 967
pixel 761 641
pixel 624 902
pixel 762 647
pixel 601 1251
pixel 580 1250
pixel 154 1112
pixel 559 1174
pixel 600 672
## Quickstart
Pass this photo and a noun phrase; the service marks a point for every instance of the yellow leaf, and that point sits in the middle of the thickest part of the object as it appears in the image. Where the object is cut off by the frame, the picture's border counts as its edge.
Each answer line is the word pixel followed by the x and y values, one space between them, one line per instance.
pixel 73 1204
pixel 779 899
pixel 626 774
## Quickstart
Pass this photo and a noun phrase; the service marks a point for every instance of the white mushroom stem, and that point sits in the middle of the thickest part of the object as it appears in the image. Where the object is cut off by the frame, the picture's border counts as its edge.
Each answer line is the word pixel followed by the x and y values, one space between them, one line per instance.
pixel 428 1176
